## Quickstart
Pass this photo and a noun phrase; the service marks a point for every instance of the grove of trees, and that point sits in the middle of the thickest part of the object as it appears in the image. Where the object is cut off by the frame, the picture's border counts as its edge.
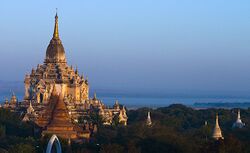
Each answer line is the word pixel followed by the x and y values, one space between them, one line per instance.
pixel 175 129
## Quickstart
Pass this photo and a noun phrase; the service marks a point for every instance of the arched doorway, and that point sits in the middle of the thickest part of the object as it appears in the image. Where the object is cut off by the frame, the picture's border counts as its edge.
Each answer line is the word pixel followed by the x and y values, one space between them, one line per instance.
pixel 53 140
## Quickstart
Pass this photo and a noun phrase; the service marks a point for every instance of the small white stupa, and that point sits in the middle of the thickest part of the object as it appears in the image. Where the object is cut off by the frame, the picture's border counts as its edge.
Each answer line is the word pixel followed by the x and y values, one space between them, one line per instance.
pixel 148 122
pixel 217 131
pixel 238 123
pixel 30 113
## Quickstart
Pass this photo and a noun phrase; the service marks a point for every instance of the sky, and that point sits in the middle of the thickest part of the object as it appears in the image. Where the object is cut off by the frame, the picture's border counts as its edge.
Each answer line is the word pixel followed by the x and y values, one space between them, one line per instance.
pixel 148 46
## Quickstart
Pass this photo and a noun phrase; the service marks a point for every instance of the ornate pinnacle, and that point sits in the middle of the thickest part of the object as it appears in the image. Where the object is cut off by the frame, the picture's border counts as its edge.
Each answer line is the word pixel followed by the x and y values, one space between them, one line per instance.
pixel 76 71
pixel 238 116
pixel 56 33
pixel 95 96
pixel 82 77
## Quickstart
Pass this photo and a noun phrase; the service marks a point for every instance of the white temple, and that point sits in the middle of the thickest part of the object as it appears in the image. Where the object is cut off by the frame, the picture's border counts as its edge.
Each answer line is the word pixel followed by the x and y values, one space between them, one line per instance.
pixel 238 123
pixel 148 122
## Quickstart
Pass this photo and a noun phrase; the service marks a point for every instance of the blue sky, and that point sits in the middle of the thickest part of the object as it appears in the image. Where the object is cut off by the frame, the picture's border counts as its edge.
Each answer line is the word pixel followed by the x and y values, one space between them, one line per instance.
pixel 139 45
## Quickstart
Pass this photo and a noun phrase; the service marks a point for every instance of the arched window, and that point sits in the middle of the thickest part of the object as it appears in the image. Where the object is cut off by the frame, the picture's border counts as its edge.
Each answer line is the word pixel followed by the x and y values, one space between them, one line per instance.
pixel 53 140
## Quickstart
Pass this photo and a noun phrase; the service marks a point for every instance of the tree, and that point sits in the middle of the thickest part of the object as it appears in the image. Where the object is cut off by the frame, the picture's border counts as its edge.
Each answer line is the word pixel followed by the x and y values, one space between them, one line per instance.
pixel 22 148
pixel 2 131
pixel 112 148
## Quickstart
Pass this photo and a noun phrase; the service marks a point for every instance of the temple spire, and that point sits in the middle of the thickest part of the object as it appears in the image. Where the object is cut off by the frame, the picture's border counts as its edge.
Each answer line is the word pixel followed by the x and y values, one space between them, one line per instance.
pixel 238 123
pixel 148 122
pixel 238 115
pixel 95 97
pixel 56 33
pixel 217 134
pixel 217 120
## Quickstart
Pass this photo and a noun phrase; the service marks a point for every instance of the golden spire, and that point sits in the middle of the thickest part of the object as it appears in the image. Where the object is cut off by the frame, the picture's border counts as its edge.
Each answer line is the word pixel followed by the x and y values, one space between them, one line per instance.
pixel 217 120
pixel 56 33
pixel 217 134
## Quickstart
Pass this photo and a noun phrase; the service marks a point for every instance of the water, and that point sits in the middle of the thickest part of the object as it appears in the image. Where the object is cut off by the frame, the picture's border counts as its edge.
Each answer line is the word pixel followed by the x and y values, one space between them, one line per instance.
pixel 133 102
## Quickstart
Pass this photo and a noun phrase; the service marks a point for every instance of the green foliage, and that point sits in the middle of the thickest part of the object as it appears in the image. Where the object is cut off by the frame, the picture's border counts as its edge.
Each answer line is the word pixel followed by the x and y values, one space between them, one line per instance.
pixel 115 121
pixel 2 131
pixel 112 148
pixel 13 124
pixel 22 148
pixel 178 129
pixel 3 150
pixel 175 129
pixel 94 117
pixel 84 148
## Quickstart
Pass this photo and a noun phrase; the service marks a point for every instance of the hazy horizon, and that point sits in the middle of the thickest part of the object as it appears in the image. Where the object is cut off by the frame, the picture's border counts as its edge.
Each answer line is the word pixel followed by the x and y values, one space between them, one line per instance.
pixel 135 46
pixel 7 87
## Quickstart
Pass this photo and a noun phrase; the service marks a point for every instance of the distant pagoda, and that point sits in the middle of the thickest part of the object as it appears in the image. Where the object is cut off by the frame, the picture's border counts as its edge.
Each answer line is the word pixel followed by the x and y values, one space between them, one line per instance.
pixel 148 121
pixel 238 123
pixel 12 104
pixel 217 134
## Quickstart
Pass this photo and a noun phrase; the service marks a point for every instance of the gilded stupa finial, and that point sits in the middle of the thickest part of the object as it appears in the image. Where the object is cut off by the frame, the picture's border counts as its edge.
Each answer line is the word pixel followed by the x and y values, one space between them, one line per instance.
pixel 217 119
pixel 217 134
pixel 56 33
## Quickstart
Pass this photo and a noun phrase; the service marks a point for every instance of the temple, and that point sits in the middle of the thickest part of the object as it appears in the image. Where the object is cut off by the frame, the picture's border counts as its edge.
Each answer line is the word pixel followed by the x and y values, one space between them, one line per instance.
pixel 217 134
pixel 54 70
pixel 238 123
pixel 57 98
pixel 148 121
pixel 12 104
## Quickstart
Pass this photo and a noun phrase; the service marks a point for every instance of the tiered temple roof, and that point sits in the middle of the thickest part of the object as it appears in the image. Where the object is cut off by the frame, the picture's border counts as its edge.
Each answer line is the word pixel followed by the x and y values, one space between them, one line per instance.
pixel 61 123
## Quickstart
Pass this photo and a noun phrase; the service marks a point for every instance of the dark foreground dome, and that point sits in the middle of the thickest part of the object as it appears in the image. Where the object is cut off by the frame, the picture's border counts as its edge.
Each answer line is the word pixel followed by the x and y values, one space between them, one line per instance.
pixel 55 52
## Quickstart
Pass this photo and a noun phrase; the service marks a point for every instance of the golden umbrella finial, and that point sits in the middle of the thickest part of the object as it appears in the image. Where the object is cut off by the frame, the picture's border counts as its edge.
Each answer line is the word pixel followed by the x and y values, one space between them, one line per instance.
pixel 56 33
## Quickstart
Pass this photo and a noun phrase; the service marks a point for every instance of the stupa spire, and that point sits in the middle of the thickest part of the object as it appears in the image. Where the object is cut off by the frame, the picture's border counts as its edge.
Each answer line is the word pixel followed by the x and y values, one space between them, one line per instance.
pixel 217 131
pixel 217 120
pixel 95 97
pixel 149 122
pixel 56 32
pixel 238 123
pixel 238 115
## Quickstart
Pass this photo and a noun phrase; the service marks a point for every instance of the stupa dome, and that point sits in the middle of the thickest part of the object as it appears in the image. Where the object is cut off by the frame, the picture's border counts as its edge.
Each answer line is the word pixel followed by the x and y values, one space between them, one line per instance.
pixel 55 51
